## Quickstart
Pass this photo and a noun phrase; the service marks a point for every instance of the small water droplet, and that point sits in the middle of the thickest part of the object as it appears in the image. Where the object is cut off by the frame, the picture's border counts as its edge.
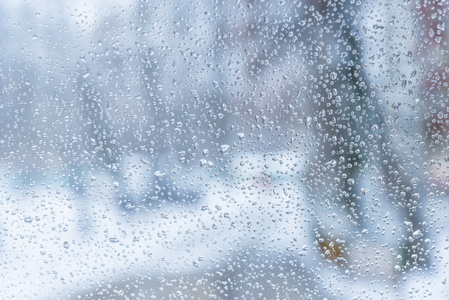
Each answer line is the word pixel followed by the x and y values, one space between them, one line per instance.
pixel 159 174
pixel 417 234
pixel 224 148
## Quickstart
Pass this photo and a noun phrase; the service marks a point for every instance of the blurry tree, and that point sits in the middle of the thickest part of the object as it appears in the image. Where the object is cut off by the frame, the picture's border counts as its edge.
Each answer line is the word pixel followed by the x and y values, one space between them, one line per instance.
pixel 353 131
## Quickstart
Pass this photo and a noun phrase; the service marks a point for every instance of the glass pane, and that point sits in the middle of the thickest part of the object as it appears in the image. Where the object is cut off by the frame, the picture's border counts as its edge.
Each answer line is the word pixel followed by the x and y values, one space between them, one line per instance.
pixel 243 149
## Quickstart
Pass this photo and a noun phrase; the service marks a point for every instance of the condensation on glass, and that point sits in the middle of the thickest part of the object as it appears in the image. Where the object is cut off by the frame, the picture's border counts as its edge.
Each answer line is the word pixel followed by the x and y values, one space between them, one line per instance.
pixel 242 149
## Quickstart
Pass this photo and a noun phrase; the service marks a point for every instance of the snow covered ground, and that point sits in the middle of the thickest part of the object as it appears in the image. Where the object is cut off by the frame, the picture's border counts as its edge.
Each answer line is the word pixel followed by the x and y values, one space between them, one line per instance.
pixel 54 242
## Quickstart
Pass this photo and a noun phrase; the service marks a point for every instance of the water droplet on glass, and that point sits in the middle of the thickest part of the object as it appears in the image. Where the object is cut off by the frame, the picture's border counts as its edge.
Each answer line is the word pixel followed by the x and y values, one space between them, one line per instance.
pixel 333 75
pixel 224 148
pixel 159 174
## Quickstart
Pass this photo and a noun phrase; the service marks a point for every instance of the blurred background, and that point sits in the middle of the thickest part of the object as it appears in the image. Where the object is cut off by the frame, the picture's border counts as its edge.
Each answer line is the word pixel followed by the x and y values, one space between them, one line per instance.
pixel 234 149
